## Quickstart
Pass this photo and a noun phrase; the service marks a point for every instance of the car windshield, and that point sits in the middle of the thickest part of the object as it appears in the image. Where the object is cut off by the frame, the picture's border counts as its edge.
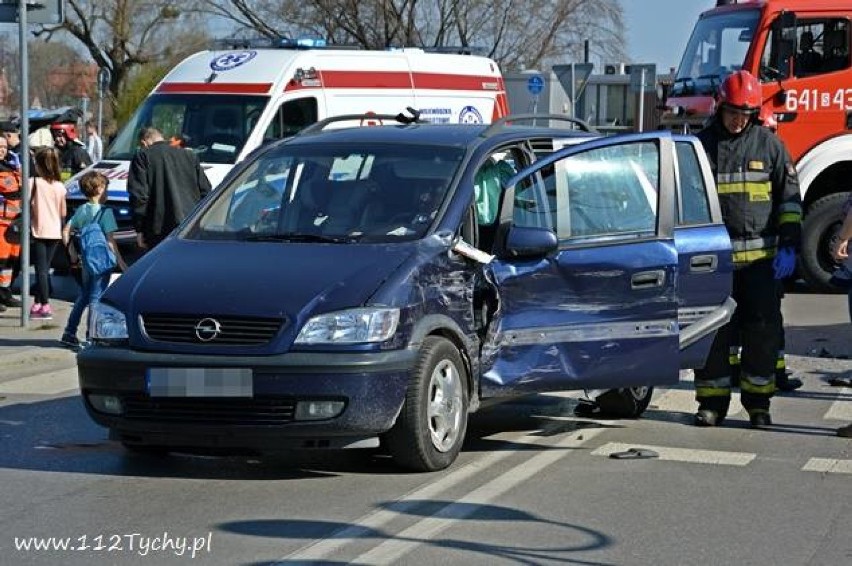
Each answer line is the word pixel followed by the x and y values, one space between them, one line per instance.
pixel 214 126
pixel 717 47
pixel 332 193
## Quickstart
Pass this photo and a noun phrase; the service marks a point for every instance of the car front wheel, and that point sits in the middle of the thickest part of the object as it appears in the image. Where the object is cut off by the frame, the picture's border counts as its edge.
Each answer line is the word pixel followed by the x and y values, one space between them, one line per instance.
pixel 430 429
pixel 626 403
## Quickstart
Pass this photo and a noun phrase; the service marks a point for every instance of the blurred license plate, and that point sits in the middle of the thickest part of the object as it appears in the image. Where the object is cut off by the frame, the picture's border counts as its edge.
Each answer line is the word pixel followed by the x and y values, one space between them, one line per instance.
pixel 199 382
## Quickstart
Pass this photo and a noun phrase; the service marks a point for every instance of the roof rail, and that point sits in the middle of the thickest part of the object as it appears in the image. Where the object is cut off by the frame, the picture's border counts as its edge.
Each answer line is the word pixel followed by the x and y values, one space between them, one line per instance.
pixel 498 124
pixel 400 118
pixel 233 43
pixel 457 49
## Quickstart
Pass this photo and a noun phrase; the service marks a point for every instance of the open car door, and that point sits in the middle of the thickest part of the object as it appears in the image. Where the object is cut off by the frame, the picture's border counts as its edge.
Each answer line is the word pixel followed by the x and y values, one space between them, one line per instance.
pixel 585 271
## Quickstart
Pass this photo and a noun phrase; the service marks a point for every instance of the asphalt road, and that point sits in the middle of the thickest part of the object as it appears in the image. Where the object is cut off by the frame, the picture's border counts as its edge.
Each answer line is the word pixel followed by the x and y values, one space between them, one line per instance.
pixel 533 485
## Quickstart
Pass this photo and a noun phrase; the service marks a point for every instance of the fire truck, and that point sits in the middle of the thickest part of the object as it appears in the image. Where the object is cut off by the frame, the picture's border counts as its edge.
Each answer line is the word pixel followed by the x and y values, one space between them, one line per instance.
pixel 799 49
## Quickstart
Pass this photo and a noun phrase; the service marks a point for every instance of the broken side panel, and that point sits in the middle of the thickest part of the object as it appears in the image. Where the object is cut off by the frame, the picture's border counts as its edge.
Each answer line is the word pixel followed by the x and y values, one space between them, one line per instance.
pixel 597 318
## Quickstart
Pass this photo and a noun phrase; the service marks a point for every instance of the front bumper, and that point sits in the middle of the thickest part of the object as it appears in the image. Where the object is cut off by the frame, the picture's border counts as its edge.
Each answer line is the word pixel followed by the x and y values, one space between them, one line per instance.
pixel 372 386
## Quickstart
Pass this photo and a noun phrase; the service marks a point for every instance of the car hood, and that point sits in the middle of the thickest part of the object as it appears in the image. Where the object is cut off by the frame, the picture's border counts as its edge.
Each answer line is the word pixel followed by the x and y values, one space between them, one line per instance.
pixel 256 279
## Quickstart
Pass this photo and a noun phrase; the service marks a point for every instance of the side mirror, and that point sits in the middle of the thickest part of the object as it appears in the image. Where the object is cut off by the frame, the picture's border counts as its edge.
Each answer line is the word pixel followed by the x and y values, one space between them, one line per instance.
pixel 529 242
pixel 784 29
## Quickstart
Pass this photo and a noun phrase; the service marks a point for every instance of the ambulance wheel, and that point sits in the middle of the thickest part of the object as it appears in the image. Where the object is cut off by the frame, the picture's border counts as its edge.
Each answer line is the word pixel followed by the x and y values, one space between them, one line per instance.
pixel 819 236
pixel 430 429
pixel 626 403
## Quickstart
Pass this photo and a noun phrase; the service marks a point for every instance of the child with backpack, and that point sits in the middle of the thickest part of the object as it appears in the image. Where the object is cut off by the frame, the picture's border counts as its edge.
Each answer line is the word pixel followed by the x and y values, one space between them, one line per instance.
pixel 94 225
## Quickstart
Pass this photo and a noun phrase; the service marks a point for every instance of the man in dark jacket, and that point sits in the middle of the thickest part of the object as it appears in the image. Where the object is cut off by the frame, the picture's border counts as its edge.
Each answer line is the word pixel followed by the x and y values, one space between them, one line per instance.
pixel 762 209
pixel 165 183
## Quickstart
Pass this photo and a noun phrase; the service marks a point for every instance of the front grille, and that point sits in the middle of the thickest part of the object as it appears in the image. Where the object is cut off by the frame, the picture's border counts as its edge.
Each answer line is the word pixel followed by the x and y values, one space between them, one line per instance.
pixel 232 331
pixel 207 411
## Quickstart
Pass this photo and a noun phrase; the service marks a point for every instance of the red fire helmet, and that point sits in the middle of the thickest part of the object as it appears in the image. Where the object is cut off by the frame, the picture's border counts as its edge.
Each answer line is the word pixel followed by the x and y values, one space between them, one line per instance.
pixel 741 91
pixel 70 130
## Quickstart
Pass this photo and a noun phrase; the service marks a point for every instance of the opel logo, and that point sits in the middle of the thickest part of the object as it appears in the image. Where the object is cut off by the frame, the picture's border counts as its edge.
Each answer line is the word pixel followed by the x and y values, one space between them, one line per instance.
pixel 208 329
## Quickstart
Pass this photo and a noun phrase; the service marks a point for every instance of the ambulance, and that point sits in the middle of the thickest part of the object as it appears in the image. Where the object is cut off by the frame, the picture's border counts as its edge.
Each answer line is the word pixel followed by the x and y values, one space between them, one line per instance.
pixel 224 104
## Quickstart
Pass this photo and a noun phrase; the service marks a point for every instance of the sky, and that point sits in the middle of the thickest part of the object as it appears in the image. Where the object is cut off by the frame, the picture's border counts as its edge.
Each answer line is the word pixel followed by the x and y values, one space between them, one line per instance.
pixel 657 30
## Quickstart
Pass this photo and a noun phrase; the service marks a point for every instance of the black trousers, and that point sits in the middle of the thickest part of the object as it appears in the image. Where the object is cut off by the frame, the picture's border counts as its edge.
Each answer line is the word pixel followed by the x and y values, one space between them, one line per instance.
pixel 43 251
pixel 757 326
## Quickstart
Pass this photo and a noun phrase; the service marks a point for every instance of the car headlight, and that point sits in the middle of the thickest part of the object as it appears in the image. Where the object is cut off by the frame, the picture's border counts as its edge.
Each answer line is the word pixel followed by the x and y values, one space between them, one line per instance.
pixel 107 323
pixel 353 326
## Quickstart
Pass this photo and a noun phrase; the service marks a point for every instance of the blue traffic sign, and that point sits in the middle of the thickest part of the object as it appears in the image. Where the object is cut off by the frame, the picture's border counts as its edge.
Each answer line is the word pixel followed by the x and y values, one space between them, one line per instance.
pixel 535 84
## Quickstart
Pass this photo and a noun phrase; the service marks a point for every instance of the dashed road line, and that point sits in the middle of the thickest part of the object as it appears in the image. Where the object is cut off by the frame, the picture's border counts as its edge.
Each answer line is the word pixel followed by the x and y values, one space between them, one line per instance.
pixel 690 455
pixel 828 465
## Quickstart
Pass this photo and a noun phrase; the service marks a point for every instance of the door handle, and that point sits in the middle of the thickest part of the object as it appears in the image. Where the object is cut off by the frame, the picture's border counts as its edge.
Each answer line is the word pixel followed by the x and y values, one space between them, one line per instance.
pixel 703 263
pixel 648 279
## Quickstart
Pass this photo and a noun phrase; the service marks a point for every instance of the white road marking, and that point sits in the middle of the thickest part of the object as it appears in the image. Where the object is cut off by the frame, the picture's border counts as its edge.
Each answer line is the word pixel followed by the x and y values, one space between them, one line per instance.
pixel 828 465
pixel 683 454
pixel 683 401
pixel 426 529
pixel 49 383
pixel 841 410
pixel 378 519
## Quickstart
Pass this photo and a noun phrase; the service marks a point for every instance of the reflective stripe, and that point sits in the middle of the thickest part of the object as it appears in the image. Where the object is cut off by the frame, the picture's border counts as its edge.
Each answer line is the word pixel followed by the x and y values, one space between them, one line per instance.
pixel 756 191
pixel 790 207
pixel 790 218
pixel 743 176
pixel 717 383
pixel 712 392
pixel 734 359
pixel 757 384
pixel 753 255
pixel 780 363
pixel 754 243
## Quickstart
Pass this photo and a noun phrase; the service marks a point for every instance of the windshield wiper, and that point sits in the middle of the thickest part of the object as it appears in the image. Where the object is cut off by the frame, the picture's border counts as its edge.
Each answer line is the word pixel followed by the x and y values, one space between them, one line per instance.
pixel 298 237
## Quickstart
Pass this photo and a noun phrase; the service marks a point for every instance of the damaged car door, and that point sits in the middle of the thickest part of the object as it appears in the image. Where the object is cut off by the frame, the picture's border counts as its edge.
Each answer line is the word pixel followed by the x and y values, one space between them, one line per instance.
pixel 585 271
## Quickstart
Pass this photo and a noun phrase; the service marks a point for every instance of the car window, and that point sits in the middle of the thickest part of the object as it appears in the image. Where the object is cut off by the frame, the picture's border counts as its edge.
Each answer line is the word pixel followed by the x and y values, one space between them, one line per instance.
pixel 607 191
pixel 692 192
pixel 488 184
pixel 380 193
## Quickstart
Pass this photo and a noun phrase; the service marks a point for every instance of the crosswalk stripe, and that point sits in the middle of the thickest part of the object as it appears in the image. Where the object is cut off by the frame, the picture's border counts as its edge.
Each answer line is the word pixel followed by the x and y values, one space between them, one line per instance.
pixel 691 455
pixel 683 401
pixel 841 410
pixel 828 465
pixel 392 550
pixel 49 383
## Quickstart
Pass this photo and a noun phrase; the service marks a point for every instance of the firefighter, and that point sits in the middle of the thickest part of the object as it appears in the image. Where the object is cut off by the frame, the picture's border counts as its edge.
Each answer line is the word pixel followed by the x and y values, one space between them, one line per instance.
pixel 759 194
pixel 73 155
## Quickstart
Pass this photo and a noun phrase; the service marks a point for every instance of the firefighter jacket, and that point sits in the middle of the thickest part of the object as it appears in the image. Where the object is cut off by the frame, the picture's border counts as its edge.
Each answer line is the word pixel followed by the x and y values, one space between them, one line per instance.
pixel 758 190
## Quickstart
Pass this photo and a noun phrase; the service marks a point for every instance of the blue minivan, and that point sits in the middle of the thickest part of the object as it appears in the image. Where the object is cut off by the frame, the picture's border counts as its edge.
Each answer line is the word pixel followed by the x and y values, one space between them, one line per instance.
pixel 352 285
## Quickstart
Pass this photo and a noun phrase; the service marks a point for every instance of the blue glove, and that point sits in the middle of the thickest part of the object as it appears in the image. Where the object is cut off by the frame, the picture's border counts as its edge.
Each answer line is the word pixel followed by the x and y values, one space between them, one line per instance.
pixel 785 263
pixel 14 160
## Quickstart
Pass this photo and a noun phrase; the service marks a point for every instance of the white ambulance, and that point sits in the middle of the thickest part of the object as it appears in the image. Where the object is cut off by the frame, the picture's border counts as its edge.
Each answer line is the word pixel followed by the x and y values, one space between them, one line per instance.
pixel 224 104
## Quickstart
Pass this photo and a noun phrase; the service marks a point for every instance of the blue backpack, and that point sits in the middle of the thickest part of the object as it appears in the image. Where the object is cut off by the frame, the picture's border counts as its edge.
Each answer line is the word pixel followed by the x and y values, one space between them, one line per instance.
pixel 94 248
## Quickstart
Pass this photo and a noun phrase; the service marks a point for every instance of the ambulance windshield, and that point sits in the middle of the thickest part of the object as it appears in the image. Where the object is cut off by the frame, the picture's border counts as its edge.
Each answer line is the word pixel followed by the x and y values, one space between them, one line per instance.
pixel 717 47
pixel 214 126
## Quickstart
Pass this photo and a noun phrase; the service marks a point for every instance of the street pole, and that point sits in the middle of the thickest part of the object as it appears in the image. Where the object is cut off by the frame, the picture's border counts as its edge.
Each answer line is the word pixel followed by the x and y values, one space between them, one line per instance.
pixel 642 100
pixel 25 166
pixel 573 92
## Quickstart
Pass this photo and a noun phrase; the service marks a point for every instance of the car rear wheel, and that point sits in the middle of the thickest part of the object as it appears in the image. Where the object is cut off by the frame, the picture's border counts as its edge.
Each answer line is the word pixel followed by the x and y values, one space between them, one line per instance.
pixel 626 403
pixel 430 429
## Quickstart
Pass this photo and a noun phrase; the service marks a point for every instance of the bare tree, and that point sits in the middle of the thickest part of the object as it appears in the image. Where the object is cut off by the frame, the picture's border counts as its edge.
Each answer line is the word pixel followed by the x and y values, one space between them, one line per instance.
pixel 124 35
pixel 516 33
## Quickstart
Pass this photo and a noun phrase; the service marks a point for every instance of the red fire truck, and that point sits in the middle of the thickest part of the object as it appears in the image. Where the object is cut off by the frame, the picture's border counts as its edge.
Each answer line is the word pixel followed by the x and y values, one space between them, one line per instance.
pixel 800 51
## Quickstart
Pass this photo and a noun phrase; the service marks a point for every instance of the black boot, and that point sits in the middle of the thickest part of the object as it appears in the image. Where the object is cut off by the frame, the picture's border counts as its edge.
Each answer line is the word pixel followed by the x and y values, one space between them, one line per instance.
pixel 7 299
pixel 712 411
pixel 783 381
pixel 759 418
